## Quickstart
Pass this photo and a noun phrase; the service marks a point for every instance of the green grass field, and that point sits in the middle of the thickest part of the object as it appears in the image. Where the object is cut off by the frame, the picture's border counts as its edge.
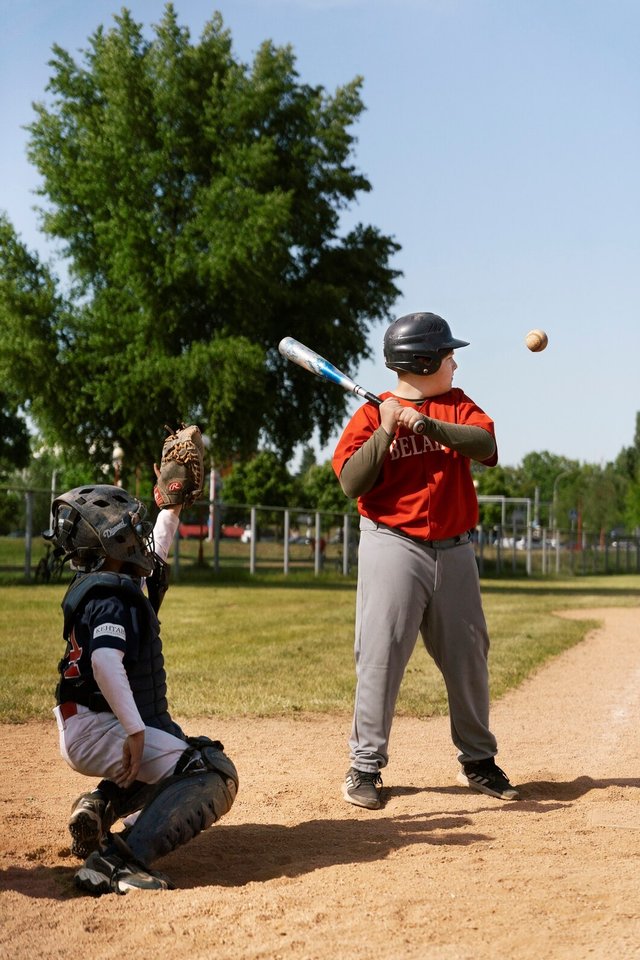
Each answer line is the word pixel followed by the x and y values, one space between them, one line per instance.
pixel 269 645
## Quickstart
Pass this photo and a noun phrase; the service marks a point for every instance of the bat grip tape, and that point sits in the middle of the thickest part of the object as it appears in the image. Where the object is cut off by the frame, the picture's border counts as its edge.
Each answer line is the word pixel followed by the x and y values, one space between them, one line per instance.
pixel 418 427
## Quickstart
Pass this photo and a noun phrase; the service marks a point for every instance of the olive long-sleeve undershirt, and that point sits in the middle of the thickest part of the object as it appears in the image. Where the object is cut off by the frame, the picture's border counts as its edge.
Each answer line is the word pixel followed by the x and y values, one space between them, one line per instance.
pixel 361 470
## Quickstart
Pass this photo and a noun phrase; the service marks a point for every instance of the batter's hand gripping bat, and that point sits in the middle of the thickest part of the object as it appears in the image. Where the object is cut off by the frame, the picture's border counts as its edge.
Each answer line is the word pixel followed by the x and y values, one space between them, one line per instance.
pixel 310 360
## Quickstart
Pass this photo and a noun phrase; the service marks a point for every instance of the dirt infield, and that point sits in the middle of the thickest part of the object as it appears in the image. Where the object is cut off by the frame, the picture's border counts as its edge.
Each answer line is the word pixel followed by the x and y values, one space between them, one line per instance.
pixel 440 872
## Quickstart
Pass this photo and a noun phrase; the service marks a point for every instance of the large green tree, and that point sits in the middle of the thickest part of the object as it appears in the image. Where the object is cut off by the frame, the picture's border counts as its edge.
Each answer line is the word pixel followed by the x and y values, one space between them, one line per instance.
pixel 14 456
pixel 196 206
pixel 263 480
pixel 568 493
pixel 628 465
pixel 320 490
pixel 14 439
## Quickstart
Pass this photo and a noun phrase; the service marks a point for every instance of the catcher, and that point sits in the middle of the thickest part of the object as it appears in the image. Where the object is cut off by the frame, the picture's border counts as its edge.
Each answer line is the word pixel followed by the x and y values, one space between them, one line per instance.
pixel 112 712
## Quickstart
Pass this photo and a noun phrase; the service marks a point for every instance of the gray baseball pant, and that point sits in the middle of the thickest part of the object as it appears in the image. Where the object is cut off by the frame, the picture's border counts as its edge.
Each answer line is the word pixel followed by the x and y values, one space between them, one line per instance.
pixel 406 588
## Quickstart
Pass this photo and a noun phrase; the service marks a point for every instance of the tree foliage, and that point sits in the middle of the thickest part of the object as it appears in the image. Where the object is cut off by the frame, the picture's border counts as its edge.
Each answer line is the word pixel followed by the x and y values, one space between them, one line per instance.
pixel 563 489
pixel 14 438
pixel 628 465
pixel 321 490
pixel 14 457
pixel 262 480
pixel 265 480
pixel 196 205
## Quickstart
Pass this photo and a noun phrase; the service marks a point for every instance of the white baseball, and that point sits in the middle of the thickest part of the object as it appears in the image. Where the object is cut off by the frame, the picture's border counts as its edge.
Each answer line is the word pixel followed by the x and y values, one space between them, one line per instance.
pixel 536 340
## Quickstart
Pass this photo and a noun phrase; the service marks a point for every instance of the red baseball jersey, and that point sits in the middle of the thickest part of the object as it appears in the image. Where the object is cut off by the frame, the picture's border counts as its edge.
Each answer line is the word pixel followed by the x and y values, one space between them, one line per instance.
pixel 424 488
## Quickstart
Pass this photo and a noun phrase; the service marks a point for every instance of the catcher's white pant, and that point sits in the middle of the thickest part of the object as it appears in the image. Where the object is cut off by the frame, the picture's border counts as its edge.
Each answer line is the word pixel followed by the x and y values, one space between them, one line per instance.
pixel 92 743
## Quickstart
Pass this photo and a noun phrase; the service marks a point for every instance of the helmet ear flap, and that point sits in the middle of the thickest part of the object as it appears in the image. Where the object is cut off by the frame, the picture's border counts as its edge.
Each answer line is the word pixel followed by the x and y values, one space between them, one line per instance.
pixel 430 362
pixel 65 523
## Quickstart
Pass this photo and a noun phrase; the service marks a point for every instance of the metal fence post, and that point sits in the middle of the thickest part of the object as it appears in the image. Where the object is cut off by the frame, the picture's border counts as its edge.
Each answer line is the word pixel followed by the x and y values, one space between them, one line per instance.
pixel 217 527
pixel 285 566
pixel 346 543
pixel 28 533
pixel 317 552
pixel 252 542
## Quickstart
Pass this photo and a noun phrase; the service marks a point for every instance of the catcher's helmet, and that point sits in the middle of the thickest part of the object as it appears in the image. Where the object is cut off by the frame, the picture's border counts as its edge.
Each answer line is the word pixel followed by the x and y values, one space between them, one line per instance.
pixel 92 523
pixel 417 343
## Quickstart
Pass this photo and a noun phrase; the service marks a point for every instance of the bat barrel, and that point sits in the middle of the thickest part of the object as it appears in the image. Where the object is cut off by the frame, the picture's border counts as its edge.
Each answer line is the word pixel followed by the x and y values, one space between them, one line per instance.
pixel 309 360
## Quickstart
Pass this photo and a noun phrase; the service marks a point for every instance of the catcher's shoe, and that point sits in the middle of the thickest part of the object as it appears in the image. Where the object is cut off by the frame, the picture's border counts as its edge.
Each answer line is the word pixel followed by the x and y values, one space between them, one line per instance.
pixel 362 789
pixel 110 873
pixel 88 824
pixel 487 777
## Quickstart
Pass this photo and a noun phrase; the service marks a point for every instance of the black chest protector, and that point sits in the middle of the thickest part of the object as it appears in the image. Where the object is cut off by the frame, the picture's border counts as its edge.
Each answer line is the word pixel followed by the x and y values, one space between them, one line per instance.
pixel 145 669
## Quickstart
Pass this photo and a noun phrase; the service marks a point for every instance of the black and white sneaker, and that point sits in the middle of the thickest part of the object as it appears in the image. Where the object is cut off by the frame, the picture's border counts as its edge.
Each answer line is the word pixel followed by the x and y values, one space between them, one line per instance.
pixel 87 824
pixel 487 777
pixel 362 789
pixel 110 873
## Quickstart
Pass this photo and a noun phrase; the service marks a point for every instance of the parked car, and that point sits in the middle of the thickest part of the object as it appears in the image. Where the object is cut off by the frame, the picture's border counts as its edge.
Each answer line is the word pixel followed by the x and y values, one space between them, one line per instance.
pixel 233 530
pixel 199 530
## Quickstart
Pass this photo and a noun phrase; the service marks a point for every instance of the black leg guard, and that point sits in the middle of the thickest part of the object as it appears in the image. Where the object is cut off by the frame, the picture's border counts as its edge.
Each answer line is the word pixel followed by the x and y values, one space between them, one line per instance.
pixel 183 805
pixel 125 800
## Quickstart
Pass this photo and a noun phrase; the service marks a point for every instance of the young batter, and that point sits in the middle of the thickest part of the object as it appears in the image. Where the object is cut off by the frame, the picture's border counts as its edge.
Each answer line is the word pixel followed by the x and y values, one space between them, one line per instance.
pixel 416 565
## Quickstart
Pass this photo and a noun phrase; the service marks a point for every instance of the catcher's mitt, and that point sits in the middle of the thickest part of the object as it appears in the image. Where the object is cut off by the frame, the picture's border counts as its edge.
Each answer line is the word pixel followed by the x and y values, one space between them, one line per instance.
pixel 181 474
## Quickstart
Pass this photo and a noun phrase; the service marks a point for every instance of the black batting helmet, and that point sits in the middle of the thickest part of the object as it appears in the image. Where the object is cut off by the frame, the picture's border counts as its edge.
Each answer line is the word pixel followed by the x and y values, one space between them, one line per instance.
pixel 97 521
pixel 417 343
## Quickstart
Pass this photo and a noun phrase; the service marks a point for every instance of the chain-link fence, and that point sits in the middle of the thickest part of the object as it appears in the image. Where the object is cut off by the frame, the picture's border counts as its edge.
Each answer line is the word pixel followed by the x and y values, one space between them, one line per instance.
pixel 216 537
pixel 265 538
pixel 541 552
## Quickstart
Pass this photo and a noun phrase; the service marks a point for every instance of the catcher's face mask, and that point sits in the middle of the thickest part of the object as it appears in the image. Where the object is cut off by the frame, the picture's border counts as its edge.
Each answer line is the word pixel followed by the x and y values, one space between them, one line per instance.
pixel 96 522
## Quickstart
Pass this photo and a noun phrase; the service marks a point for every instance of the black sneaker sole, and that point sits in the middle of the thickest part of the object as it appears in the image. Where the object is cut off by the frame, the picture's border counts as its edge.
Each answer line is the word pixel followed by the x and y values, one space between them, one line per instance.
pixel 85 835
pixel 510 794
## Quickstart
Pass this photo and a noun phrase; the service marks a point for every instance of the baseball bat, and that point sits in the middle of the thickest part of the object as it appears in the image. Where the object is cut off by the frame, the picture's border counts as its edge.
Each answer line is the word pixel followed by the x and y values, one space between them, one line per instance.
pixel 310 360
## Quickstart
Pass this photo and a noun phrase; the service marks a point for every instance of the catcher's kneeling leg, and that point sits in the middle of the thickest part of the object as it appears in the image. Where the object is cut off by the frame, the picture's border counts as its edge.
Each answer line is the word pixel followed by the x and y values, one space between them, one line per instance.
pixel 201 791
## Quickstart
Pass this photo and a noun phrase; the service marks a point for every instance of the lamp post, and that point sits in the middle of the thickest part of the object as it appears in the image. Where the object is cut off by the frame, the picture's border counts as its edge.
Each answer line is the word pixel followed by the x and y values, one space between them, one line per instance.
pixel 116 458
pixel 57 452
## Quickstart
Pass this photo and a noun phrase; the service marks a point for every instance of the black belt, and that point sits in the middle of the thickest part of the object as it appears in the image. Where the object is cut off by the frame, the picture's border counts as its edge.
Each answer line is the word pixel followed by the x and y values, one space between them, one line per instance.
pixel 434 544
pixel 447 544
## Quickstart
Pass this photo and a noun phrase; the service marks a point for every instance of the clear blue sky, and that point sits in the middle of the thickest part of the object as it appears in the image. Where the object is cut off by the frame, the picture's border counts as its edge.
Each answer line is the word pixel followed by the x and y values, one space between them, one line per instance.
pixel 502 140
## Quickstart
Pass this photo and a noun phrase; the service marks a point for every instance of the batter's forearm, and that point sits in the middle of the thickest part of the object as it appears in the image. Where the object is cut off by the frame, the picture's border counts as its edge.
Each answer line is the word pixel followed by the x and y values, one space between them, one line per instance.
pixel 471 441
pixel 362 469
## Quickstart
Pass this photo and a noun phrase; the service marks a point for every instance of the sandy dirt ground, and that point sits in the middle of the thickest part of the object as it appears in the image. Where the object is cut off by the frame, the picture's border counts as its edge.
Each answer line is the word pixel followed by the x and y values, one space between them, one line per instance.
pixel 440 872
